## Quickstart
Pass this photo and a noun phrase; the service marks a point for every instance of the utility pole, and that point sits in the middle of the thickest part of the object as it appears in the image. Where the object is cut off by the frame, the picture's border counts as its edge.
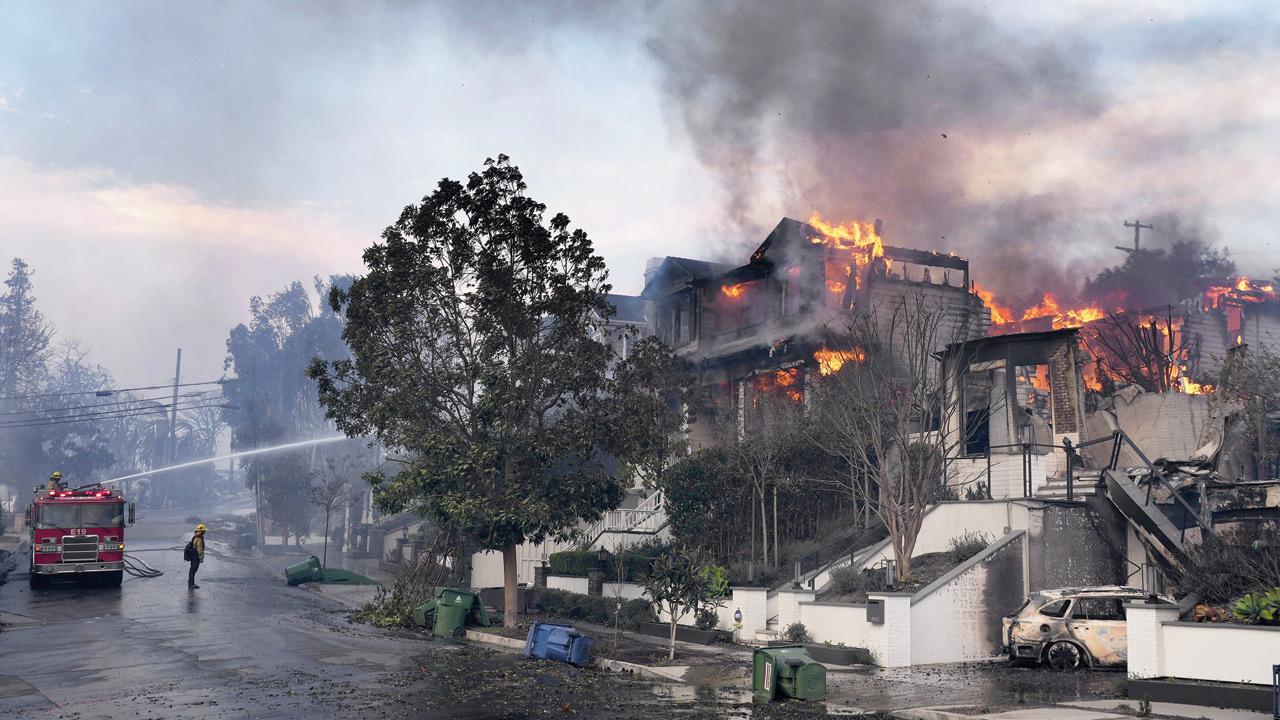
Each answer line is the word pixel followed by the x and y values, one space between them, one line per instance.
pixel 1138 227
pixel 173 411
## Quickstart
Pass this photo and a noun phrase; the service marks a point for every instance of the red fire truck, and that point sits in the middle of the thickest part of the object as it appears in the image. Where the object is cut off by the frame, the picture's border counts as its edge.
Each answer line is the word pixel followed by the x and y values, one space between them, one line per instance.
pixel 78 534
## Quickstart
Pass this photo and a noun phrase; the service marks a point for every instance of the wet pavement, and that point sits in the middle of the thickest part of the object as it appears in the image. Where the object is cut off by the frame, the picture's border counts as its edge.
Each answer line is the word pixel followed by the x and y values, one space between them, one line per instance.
pixel 245 645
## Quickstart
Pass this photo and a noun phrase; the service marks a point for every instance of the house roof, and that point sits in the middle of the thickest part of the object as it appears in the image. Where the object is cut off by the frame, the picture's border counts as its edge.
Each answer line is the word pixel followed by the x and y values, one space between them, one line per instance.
pixel 678 271
pixel 627 308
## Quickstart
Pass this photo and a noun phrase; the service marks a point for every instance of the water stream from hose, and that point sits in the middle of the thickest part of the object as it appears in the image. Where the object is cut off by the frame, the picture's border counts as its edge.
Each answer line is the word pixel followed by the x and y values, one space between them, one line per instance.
pixel 229 456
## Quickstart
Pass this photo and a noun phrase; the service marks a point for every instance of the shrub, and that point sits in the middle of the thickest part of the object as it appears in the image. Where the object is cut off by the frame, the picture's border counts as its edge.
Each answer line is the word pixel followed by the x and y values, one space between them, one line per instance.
pixel 848 580
pixel 1260 608
pixel 967 545
pixel 635 612
pixel 796 633
pixel 707 619
pixel 592 608
pixel 574 562
pixel 1231 563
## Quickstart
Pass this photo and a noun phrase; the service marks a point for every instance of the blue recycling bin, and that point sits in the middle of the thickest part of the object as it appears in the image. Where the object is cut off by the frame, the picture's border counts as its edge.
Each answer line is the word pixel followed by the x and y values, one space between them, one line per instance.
pixel 557 642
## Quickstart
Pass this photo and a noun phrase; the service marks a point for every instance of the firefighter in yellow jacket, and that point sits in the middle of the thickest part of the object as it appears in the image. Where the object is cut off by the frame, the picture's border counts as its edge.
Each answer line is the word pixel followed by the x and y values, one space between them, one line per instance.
pixel 194 553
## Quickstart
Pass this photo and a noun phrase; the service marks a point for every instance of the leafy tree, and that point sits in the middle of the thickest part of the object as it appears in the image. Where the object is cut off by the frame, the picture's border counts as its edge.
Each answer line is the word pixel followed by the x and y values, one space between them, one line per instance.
pixel 649 396
pixel 679 584
pixel 471 336
pixel 703 494
pixel 271 399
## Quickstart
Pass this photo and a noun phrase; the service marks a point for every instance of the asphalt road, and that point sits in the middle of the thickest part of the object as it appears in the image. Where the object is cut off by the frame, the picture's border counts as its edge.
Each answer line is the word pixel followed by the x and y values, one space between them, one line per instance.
pixel 245 645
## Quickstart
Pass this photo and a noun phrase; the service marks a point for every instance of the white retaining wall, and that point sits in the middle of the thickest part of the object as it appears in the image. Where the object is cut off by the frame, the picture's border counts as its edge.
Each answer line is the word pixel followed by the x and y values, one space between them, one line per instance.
pixel 789 606
pixel 567 582
pixel 754 604
pixel 1159 646
pixel 1006 473
pixel 630 591
pixel 835 623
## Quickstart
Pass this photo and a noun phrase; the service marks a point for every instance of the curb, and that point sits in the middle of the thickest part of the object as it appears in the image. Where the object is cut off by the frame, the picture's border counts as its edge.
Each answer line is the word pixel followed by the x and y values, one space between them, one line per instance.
pixel 674 673
pixel 929 713
pixel 498 640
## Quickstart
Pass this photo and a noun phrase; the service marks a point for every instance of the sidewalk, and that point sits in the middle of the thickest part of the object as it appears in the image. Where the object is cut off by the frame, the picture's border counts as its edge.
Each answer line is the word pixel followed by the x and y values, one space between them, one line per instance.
pixel 1115 709
pixel 353 597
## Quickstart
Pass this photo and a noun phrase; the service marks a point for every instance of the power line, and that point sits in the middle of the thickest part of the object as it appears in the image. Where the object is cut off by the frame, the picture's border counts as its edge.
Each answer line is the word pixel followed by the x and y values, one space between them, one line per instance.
pixel 133 401
pixel 114 415
pixel 108 393
pixel 153 408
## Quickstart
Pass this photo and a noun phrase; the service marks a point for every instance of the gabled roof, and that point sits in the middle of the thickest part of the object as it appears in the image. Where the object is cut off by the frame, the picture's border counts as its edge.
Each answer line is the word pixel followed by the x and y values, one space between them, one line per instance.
pixel 627 308
pixel 679 272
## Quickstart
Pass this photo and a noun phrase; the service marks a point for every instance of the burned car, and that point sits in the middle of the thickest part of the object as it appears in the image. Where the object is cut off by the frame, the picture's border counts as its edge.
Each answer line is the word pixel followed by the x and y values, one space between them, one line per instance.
pixel 1072 628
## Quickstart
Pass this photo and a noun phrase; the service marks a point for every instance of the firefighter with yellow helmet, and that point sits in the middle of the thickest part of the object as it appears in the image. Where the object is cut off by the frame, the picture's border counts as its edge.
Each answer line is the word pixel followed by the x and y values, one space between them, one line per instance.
pixel 194 554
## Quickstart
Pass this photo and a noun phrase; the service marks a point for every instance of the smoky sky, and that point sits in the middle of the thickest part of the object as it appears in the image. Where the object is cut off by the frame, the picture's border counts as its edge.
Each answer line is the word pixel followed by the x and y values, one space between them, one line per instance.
pixel 891 109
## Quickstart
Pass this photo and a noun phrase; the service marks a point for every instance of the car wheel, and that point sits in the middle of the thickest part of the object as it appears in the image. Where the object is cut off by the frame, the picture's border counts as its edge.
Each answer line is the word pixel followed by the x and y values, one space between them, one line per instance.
pixel 1064 655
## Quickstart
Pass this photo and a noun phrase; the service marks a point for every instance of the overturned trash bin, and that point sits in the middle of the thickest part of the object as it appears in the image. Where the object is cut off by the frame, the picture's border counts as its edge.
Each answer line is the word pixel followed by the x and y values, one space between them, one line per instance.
pixel 307 571
pixel 451 611
pixel 557 642
pixel 787 671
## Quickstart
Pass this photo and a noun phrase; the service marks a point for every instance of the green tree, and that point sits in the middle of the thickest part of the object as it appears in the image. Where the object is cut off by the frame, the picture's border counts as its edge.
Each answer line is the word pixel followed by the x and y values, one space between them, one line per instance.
pixel 271 399
pixel 679 584
pixel 473 356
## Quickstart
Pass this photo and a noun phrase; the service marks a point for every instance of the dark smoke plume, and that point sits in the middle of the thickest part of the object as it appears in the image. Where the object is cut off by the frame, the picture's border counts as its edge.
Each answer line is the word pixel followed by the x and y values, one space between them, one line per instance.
pixel 862 109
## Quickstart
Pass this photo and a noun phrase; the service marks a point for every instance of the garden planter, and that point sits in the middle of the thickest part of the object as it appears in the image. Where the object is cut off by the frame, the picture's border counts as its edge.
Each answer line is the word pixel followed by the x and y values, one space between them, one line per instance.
pixel 684 633
pixel 833 654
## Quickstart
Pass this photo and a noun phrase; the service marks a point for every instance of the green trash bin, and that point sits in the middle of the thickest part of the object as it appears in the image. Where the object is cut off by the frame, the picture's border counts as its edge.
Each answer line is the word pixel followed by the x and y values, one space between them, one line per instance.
pixel 787 671
pixel 307 571
pixel 424 614
pixel 455 609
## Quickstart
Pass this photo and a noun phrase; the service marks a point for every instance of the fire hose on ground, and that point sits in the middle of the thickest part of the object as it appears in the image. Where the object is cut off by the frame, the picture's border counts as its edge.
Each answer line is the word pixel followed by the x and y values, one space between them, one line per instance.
pixel 137 567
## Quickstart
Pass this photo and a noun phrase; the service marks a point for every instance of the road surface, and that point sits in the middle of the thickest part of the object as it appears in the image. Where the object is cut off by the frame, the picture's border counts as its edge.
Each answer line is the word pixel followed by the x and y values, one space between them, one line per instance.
pixel 245 645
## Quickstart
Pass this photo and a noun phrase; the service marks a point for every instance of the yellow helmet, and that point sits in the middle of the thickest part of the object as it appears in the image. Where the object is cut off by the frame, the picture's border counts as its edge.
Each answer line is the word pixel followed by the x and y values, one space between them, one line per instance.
pixel 200 527
pixel 56 475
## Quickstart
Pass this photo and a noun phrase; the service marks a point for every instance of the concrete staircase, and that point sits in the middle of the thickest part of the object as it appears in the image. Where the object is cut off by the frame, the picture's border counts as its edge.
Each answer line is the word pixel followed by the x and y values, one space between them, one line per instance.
pixel 1086 484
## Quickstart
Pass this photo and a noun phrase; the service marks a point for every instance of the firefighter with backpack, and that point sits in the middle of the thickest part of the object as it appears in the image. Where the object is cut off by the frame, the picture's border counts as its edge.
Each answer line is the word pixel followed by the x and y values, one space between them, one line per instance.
pixel 194 554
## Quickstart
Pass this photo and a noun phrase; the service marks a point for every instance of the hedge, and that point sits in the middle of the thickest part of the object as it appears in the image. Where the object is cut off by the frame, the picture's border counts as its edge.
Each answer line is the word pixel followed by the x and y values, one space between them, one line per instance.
pixel 593 608
pixel 579 562
pixel 574 562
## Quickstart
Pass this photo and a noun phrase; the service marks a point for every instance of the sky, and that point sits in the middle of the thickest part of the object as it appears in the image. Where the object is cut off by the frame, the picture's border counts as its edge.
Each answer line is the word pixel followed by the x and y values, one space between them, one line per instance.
pixel 161 163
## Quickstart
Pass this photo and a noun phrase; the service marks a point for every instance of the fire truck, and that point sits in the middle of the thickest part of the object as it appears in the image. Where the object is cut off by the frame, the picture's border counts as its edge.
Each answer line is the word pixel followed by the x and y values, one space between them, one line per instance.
pixel 78 534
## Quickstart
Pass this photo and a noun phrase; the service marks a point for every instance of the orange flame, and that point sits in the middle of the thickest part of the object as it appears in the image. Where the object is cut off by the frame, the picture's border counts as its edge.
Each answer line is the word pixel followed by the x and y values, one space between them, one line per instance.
pixel 858 239
pixel 785 382
pixel 1000 314
pixel 830 361
pixel 1063 318
pixel 733 291
pixel 1242 290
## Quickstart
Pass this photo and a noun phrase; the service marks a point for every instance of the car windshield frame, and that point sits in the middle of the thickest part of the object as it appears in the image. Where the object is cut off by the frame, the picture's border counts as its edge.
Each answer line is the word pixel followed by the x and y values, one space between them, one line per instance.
pixel 1066 608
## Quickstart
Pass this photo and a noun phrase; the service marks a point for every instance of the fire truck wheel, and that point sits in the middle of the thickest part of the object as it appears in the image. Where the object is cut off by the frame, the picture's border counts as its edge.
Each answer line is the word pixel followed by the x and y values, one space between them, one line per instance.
pixel 38 582
pixel 113 579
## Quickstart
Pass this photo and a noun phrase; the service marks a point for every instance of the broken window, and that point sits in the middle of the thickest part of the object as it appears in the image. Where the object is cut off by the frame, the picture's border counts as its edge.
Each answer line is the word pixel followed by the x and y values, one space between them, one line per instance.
pixel 982 400
pixel 1097 608
pixel 1057 608
pixel 1035 404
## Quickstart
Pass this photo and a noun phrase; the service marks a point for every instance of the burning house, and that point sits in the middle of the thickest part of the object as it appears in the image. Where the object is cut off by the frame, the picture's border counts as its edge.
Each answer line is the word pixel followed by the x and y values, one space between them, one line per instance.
pixel 770 325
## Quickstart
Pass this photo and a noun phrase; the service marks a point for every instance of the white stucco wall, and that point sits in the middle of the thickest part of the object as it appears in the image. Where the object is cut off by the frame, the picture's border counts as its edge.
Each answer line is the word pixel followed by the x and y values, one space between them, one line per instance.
pixel 565 582
pixel 486 567
pixel 753 602
pixel 890 641
pixel 835 623
pixel 1226 653
pixel 630 591
pixel 953 623
pixel 789 606
pixel 1006 473
pixel 948 520
pixel 1159 646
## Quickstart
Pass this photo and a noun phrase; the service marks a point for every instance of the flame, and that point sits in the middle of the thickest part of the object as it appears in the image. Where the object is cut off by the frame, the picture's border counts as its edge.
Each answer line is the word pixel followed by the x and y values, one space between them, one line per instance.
pixel 1000 314
pixel 1241 290
pixel 1063 318
pixel 830 361
pixel 733 291
pixel 835 287
pixel 1192 388
pixel 785 382
pixel 859 240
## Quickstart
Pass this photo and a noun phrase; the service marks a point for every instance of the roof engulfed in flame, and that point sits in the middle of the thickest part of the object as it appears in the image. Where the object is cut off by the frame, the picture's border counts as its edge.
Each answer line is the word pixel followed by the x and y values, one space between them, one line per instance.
pixel 857 241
